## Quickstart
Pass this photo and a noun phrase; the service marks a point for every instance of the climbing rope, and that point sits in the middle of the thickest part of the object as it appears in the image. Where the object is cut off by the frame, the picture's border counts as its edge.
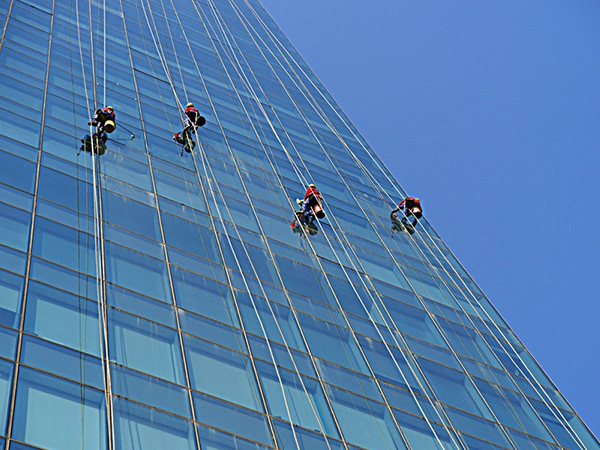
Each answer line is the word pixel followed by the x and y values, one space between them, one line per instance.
pixel 98 238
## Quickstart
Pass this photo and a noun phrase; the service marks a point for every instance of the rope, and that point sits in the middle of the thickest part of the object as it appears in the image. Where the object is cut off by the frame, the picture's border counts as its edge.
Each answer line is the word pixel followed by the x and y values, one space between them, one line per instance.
pixel 99 267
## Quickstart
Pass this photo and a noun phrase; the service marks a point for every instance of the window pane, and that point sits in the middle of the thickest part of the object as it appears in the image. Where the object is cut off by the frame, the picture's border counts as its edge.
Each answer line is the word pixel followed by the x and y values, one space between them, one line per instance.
pixel 303 398
pixel 137 272
pixel 64 245
pixel 14 227
pixel 62 361
pixel 365 423
pixel 149 390
pixel 48 312
pixel 222 373
pixel 11 293
pixel 47 406
pixel 6 376
pixel 231 418
pixel 145 346
pixel 15 171
pixel 140 428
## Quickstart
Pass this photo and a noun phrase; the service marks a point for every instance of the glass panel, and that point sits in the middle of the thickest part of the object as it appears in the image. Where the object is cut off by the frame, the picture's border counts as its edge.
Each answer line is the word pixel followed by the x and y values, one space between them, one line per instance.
pixel 306 439
pixel 140 305
pixel 48 312
pixel 477 426
pixel 62 361
pixel 64 245
pixel 151 391
pixel 365 423
pixel 140 428
pixel 15 171
pixel 129 214
pixel 211 439
pixel 204 296
pixel 455 388
pixel 302 399
pixel 145 346
pixel 11 293
pixel 46 406
pixel 8 343
pixel 137 272
pixel 332 343
pixel 14 227
pixel 6 376
pixel 235 381
pixel 228 417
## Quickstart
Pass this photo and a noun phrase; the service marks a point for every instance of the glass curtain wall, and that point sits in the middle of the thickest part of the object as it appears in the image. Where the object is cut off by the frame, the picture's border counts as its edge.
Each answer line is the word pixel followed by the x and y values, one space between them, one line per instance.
pixel 153 297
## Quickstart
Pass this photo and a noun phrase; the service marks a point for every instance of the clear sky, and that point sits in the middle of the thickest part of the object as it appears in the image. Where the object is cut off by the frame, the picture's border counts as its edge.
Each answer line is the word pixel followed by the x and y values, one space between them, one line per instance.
pixel 489 112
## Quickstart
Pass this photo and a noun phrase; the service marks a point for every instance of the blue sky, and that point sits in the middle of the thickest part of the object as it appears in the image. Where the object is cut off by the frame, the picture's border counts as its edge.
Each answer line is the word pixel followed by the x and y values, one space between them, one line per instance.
pixel 489 112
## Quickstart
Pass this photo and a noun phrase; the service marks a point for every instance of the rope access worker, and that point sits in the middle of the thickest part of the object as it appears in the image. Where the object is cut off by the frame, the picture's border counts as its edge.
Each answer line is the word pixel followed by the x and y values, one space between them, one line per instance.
pixel 412 207
pixel 312 201
pixel 193 120
pixel 105 120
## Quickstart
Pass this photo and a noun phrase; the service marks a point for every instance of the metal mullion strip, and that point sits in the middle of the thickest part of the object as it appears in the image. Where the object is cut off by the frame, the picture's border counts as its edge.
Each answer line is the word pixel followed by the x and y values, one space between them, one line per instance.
pixel 162 233
pixel 8 14
pixel 12 400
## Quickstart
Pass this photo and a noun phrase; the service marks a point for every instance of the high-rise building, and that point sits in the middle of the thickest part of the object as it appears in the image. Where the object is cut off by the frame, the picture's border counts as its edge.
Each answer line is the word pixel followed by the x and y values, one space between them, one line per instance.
pixel 153 297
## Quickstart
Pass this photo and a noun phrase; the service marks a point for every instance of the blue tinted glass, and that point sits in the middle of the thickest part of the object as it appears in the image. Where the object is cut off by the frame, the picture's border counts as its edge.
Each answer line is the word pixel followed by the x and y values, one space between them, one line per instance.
pixel 62 361
pixel 46 406
pixel 11 293
pixel 233 419
pixel 64 245
pixel 14 227
pixel 333 343
pixel 421 434
pixel 306 439
pixel 137 272
pixel 365 423
pixel 235 382
pixel 130 214
pixel 145 346
pixel 278 323
pixel 204 296
pixel 8 343
pixel 48 308
pixel 299 400
pixel 455 388
pixel 151 391
pixel 6 375
pixel 477 426
pixel 211 439
pixel 63 278
pixel 285 357
pixel 17 172
pixel 190 236
pixel 141 428
pixel 140 305
pixel 211 330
